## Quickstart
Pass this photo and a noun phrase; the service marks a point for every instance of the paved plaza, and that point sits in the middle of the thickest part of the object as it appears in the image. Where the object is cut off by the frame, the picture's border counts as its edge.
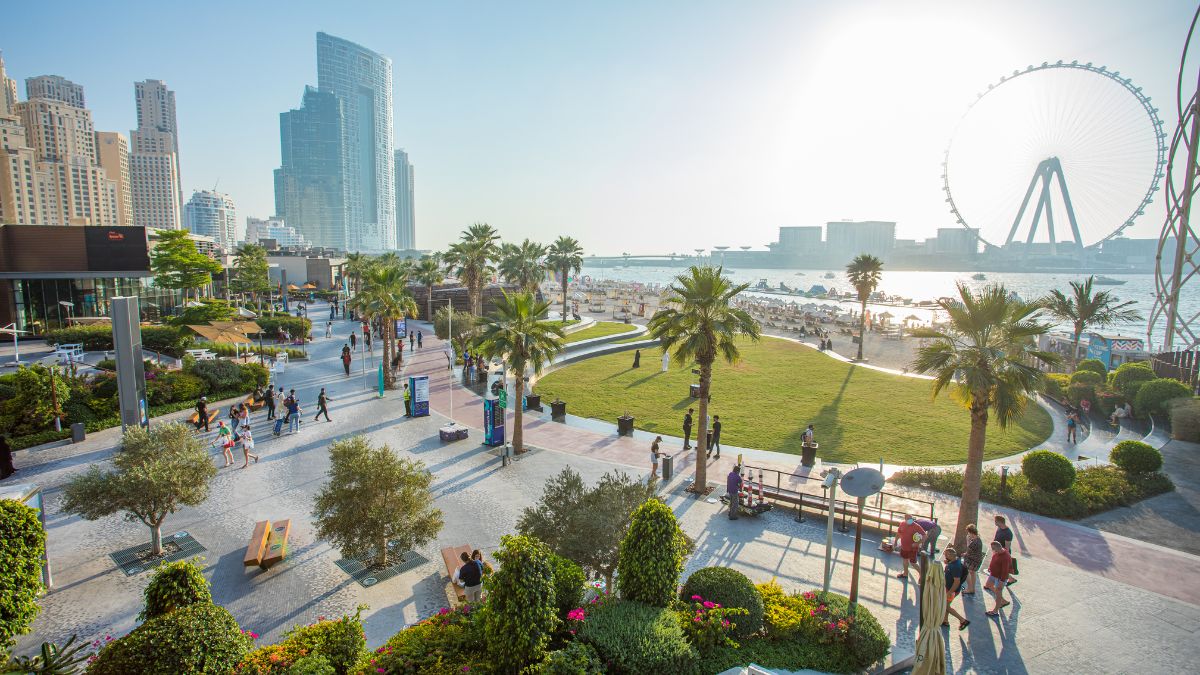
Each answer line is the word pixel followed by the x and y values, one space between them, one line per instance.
pixel 1088 601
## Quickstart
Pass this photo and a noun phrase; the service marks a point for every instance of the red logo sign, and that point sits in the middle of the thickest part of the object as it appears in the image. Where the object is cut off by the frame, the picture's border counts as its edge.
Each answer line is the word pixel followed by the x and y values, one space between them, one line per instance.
pixel 115 236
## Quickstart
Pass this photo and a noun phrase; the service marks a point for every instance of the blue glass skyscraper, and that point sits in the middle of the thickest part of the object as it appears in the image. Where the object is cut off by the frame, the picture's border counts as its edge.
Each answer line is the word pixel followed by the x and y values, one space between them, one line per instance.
pixel 362 81
pixel 309 189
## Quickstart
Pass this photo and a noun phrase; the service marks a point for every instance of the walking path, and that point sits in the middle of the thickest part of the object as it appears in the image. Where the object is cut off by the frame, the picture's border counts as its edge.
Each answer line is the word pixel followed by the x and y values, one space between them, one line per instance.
pixel 1081 548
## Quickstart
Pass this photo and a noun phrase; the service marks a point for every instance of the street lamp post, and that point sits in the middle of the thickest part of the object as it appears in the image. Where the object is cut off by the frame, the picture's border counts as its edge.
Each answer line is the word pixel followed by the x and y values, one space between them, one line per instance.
pixel 861 483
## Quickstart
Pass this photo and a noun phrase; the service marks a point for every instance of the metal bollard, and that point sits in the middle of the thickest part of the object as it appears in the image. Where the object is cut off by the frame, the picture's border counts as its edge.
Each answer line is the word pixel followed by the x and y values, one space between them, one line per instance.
pixel 668 468
pixel 506 454
pixel 1003 481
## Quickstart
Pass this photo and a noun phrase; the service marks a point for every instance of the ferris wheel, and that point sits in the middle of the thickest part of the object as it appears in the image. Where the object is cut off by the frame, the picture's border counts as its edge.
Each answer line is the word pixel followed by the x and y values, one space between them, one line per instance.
pixel 1065 154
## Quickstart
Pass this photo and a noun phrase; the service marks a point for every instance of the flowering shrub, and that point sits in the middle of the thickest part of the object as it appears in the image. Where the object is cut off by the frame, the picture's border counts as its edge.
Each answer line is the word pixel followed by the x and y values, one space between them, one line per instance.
pixel 823 618
pixel 447 643
pixel 340 642
pixel 707 624
pixel 199 638
pixel 730 588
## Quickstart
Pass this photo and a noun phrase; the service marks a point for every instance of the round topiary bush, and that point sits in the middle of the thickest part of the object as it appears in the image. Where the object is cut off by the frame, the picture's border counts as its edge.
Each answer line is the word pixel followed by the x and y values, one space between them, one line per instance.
pixel 1087 377
pixel 651 557
pixel 22 544
pixel 1094 365
pixel 1129 377
pixel 200 638
pixel 1080 391
pixel 174 585
pixel 1154 396
pixel 520 608
pixel 1048 470
pixel 569 580
pixel 729 588
pixel 1136 457
pixel 632 637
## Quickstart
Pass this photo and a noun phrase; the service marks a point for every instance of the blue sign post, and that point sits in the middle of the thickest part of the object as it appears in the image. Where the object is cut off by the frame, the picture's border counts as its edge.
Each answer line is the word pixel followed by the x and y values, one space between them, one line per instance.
pixel 419 388
pixel 493 422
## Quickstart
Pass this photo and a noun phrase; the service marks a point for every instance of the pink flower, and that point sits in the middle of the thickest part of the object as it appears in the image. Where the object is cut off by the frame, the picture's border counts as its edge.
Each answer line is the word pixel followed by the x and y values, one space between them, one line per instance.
pixel 697 598
pixel 444 610
pixel 708 605
pixel 812 612
pixel 725 622
pixel 696 619
pixel 380 670
pixel 466 669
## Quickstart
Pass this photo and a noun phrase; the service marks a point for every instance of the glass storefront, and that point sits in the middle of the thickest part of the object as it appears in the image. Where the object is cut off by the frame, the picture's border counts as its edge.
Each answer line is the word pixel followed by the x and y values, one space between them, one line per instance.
pixel 40 302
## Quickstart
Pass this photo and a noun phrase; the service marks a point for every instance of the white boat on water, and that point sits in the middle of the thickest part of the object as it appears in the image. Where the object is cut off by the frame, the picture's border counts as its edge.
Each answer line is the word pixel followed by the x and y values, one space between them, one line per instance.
pixel 979 276
pixel 1102 280
pixel 830 275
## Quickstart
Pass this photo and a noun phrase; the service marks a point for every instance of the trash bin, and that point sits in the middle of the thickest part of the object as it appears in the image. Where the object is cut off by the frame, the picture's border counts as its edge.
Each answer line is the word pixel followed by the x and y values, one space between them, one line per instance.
pixel 625 425
pixel 533 402
pixel 558 410
pixel 694 391
pixel 667 463
pixel 808 454
pixel 77 432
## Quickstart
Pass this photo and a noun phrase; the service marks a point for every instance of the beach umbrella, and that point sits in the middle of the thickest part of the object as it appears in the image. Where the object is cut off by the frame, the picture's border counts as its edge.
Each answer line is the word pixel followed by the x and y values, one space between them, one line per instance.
pixel 912 317
pixel 222 331
pixel 885 316
pixel 193 303
pixel 310 286
pixel 930 657
pixel 246 314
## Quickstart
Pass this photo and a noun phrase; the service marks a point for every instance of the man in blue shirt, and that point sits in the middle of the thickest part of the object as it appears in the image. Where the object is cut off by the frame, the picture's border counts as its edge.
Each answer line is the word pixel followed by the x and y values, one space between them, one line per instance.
pixel 956 573
pixel 733 485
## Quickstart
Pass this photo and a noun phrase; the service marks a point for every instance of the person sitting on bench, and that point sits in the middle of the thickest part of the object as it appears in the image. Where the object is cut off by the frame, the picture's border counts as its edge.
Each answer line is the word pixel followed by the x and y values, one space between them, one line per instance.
pixel 1122 412
pixel 470 577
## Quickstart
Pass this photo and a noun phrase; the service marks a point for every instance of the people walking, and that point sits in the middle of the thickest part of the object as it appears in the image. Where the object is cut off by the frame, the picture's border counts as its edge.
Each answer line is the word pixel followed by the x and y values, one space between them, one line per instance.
pixel 654 455
pixel 716 437
pixel 235 417
pixel 910 536
pixel 412 340
pixel 225 440
pixel 293 413
pixel 973 558
pixel 248 446
pixel 202 413
pixel 1004 535
pixel 637 358
pixel 353 340
pixel 323 406
pixel 808 436
pixel 666 359
pixel 687 429
pixel 269 399
pixel 1072 428
pixel 407 401
pixel 955 571
pixel 367 341
pixel 419 339
pixel 328 329
pixel 346 357
pixel 999 568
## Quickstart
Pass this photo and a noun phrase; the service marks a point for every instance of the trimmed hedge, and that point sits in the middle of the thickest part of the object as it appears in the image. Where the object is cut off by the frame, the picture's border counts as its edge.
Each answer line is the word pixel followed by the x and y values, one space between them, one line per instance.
pixel 519 617
pixel 1154 396
pixel 635 638
pixel 1094 365
pixel 1136 457
pixel 1048 470
pixel 651 556
pixel 201 639
pixel 22 545
pixel 1128 378
pixel 1055 385
pixel 729 588
pixel 576 658
pixel 568 584
pixel 1088 377
pixel 1185 419
pixel 1096 489
pixel 1080 391
pixel 170 340
pixel 174 585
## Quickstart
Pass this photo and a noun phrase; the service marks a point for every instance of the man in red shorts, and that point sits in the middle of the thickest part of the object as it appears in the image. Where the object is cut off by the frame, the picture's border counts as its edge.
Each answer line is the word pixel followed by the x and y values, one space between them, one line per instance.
pixel 910 535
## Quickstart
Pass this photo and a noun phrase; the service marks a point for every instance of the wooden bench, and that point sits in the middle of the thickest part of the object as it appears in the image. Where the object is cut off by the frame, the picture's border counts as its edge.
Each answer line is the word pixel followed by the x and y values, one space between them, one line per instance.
pixel 212 417
pixel 254 404
pixel 451 557
pixel 269 543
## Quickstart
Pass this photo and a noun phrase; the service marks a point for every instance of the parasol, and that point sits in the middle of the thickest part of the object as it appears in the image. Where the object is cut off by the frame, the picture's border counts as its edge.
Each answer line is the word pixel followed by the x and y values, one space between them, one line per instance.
pixel 224 332
pixel 930 658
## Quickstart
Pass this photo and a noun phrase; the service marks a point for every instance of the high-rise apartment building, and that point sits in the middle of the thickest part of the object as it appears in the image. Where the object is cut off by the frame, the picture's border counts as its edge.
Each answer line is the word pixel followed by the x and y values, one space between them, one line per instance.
pixel 154 158
pixel 406 222
pixel 19 202
pixel 55 88
pixel 212 214
pixel 309 191
pixel 846 239
pixel 61 182
pixel 8 91
pixel 112 153
pixel 362 81
pixel 274 229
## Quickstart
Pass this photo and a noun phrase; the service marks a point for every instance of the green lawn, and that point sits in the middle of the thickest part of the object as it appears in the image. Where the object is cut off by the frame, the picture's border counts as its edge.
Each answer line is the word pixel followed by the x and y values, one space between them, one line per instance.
pixel 601 329
pixel 558 322
pixel 636 338
pixel 779 387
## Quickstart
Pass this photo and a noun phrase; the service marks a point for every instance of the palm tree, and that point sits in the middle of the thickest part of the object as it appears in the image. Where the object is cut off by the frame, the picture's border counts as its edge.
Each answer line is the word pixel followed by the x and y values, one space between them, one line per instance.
pixel 522 265
pixel 564 256
pixel 385 296
pixel 428 271
pixel 698 323
pixel 987 352
pixel 1084 310
pixel 354 267
pixel 471 259
pixel 514 334
pixel 864 273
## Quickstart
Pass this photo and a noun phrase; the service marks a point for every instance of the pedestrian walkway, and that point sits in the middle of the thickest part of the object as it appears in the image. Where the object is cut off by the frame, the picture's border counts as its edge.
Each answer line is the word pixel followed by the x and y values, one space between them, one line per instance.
pixel 1077 547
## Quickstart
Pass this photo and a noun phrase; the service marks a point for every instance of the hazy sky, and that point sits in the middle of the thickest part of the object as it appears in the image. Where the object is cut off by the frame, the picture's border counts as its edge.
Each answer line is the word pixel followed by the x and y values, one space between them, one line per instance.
pixel 633 126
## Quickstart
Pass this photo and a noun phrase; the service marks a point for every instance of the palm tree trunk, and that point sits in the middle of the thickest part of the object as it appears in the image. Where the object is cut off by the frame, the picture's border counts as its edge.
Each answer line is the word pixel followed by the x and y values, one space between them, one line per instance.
pixel 862 329
pixel 564 287
pixel 389 377
pixel 429 303
pixel 702 429
pixel 968 508
pixel 518 437
pixel 1075 348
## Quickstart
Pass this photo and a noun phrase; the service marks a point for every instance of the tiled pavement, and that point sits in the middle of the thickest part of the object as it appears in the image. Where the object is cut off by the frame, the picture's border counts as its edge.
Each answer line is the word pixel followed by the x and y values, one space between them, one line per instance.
pixel 1087 601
